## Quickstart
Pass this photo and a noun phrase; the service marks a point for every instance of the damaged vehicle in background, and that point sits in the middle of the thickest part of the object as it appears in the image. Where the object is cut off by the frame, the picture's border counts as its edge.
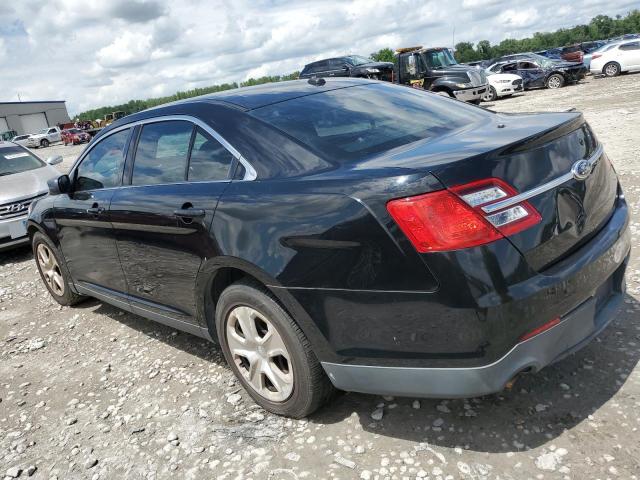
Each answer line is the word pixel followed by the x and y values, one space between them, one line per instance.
pixel 502 85
pixel 537 71
pixel 348 66
pixel 349 234
pixel 74 136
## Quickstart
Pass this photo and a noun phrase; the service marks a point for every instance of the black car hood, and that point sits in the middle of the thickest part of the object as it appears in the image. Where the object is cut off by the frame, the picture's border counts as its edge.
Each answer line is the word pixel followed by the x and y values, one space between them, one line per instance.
pixel 455 69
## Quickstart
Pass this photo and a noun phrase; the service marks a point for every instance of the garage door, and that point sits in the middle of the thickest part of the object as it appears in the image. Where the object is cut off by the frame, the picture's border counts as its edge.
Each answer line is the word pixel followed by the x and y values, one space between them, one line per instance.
pixel 33 122
pixel 3 125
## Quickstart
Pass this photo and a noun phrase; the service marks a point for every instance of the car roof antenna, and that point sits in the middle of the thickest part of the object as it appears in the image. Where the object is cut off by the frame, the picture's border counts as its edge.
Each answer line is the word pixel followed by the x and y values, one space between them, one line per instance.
pixel 318 82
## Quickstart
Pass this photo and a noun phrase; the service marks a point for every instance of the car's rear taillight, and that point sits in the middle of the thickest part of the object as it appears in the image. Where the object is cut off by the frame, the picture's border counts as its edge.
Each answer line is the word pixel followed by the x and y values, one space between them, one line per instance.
pixel 454 219
pixel 596 55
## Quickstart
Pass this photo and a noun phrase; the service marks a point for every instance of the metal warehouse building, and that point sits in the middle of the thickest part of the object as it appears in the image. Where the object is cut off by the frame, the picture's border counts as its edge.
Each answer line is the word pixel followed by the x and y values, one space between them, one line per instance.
pixel 31 117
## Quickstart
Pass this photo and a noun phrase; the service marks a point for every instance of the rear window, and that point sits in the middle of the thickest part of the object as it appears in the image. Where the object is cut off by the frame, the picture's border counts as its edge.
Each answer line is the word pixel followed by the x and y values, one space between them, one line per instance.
pixel 351 123
pixel 17 160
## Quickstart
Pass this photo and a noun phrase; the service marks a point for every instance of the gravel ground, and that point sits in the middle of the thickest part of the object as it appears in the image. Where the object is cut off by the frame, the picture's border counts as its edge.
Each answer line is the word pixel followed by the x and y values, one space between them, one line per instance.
pixel 94 392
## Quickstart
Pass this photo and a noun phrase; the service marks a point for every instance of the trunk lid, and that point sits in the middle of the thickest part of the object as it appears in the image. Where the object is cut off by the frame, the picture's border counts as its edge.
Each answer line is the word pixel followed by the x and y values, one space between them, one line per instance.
pixel 528 151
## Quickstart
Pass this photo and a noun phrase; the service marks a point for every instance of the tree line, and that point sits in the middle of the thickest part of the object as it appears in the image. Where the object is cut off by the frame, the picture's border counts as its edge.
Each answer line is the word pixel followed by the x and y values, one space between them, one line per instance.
pixel 600 27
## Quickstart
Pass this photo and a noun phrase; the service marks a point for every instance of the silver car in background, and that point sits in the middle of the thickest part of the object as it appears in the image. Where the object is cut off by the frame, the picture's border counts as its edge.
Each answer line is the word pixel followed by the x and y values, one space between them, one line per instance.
pixel 23 179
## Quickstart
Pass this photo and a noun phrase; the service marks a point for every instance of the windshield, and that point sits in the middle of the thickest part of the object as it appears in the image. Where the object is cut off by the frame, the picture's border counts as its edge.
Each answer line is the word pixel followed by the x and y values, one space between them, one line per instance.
pixel 352 123
pixel 73 130
pixel 43 132
pixel 358 60
pixel 16 160
pixel 439 58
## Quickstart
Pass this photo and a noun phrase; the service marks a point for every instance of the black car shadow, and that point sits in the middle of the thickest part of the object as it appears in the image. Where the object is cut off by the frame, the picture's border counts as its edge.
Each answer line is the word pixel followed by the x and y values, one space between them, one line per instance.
pixel 16 255
pixel 538 408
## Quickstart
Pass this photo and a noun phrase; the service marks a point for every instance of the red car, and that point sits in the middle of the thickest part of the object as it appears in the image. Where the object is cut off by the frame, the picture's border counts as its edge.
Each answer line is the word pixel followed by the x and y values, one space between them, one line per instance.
pixel 75 136
pixel 572 53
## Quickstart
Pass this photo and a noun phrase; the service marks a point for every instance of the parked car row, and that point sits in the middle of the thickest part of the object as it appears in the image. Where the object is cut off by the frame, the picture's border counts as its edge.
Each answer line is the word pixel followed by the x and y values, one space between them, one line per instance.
pixel 49 135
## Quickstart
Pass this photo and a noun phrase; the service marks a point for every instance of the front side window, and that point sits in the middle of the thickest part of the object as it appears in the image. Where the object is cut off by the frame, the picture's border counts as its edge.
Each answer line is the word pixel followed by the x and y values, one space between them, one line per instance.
pixel 102 167
pixel 350 123
pixel 162 153
pixel 209 160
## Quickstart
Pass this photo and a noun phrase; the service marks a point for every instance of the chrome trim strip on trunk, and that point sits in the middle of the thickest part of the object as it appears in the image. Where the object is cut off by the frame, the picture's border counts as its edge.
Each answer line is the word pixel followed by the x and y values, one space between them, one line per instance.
pixel 556 182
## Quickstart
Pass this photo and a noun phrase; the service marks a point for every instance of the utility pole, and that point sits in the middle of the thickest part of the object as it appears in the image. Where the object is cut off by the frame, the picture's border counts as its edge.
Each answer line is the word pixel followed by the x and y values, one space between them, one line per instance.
pixel 19 99
pixel 453 38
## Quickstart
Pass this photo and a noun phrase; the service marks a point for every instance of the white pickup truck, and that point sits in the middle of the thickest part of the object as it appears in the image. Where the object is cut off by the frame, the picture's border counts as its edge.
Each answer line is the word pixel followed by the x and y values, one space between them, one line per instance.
pixel 44 137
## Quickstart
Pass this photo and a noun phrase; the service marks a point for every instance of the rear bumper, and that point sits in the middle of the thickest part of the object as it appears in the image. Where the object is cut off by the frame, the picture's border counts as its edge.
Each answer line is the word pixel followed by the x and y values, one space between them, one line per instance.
pixel 576 329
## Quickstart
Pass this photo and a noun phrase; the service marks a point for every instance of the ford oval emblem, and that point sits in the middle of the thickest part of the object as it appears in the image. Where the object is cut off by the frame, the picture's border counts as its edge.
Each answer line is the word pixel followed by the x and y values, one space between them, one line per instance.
pixel 581 170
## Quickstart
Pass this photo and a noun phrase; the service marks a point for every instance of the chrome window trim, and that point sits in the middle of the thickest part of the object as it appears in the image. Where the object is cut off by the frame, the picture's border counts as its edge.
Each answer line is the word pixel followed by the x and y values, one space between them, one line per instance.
pixel 556 182
pixel 249 171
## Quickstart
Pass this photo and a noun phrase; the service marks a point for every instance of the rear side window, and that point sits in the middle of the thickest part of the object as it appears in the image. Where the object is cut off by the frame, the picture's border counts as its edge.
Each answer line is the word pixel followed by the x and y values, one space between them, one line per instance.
pixel 162 153
pixel 209 161
pixel 350 123
pixel 630 46
pixel 103 165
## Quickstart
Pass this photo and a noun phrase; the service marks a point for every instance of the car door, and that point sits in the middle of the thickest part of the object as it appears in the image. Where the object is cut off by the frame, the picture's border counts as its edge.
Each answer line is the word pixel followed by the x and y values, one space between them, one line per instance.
pixel 630 55
pixel 338 67
pixel 162 218
pixel 82 218
pixel 531 73
pixel 54 135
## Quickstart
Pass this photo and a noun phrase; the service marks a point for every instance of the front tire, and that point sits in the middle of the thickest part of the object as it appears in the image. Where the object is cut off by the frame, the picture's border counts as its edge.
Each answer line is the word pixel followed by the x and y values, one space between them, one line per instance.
pixel 611 69
pixel 491 95
pixel 53 270
pixel 555 80
pixel 268 352
pixel 44 143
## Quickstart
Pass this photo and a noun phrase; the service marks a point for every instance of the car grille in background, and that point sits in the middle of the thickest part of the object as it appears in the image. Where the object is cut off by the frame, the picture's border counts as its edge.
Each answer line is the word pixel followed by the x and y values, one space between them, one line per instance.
pixel 517 82
pixel 18 208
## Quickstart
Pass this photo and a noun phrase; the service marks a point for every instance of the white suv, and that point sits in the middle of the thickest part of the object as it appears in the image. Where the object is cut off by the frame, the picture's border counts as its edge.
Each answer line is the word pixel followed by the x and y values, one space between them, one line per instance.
pixel 44 137
pixel 611 60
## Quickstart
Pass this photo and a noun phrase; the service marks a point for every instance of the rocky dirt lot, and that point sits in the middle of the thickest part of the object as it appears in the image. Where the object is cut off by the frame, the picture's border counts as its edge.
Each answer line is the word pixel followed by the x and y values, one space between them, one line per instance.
pixel 94 392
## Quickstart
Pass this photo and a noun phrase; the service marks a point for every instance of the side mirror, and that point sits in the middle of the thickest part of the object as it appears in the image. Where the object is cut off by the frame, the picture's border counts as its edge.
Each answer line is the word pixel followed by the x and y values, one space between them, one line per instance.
pixel 54 160
pixel 346 67
pixel 61 184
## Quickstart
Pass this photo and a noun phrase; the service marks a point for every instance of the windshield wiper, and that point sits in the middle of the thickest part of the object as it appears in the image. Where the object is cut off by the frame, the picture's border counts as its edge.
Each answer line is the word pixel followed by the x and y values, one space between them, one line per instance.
pixel 2 174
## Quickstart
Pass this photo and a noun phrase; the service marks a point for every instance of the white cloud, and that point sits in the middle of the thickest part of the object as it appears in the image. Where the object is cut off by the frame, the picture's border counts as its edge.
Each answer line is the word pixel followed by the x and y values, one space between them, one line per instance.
pixel 105 53
pixel 129 49
pixel 520 18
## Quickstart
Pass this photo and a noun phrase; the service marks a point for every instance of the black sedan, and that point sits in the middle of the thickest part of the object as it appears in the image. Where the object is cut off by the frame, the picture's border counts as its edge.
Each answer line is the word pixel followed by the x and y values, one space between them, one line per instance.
pixel 349 66
pixel 346 234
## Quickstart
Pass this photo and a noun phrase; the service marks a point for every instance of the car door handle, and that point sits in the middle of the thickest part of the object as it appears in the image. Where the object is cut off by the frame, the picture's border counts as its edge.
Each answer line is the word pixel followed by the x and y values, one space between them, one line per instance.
pixel 95 210
pixel 189 213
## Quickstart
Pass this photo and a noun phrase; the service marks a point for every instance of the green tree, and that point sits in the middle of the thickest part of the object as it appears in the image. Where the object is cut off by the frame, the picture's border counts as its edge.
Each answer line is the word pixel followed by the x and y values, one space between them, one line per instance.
pixel 383 55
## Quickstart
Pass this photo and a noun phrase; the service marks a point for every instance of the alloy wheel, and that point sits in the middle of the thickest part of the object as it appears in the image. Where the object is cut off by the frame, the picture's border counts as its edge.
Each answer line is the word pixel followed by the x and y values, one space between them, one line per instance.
pixel 260 354
pixel 611 70
pixel 554 82
pixel 50 269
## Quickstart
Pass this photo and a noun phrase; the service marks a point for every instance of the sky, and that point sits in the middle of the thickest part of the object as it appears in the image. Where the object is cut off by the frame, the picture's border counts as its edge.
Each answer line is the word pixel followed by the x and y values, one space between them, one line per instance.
pixel 100 53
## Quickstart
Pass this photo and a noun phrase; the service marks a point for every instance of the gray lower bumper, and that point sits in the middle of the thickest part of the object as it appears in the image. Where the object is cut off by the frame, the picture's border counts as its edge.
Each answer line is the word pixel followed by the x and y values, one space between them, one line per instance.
pixel 575 330
pixel 470 94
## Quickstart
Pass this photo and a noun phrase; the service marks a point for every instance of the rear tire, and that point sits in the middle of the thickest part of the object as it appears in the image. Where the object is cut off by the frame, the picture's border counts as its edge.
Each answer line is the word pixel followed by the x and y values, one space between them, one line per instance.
pixel 555 80
pixel 44 143
pixel 53 270
pixel 611 69
pixel 251 326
